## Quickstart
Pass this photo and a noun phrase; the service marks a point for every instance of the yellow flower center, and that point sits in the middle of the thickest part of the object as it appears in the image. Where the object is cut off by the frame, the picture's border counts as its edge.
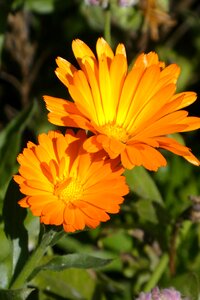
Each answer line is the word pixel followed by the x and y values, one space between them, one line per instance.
pixel 117 132
pixel 69 190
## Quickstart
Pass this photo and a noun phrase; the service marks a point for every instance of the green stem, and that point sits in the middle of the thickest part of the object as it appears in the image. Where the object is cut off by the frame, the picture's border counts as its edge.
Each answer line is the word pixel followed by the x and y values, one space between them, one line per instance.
pixel 107 26
pixel 33 261
pixel 161 267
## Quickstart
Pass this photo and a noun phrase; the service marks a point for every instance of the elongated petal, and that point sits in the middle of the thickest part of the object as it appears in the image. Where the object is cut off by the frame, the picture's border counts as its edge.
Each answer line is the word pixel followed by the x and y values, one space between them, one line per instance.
pixel 65 71
pixel 103 48
pixel 83 53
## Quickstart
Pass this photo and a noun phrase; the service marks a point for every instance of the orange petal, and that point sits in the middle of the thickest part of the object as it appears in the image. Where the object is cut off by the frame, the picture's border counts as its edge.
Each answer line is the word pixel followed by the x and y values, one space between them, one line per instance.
pixel 37 202
pixel 65 71
pixel 141 154
pixel 68 227
pixel 83 53
pixel 92 211
pixel 79 223
pixel 117 78
pixel 152 107
pixel 52 213
pixel 191 123
pixel 18 179
pixel 149 59
pixel 24 202
pixel 128 90
pixel 192 159
pixel 60 106
pixel 112 146
pixel 92 145
pixel 121 50
pixel 173 146
pixel 187 98
pixel 126 161
pixel 103 48
pixel 170 74
pixel 168 124
pixel 92 223
pixel 69 214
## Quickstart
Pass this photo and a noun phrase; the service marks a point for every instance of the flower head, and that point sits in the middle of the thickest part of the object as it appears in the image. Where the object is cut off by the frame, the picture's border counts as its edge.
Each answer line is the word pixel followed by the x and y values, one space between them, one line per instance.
pixel 165 294
pixel 130 113
pixel 65 185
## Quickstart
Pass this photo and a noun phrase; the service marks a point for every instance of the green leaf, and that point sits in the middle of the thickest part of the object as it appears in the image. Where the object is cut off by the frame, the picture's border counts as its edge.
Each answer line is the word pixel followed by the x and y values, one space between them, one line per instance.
pixel 188 284
pixel 14 217
pixel 94 16
pixel 6 270
pixel 146 211
pixel 20 294
pixel 67 284
pixel 5 260
pixel 141 183
pixel 10 139
pixel 40 6
pixel 119 242
pixel 127 19
pixel 77 260
pixel 16 4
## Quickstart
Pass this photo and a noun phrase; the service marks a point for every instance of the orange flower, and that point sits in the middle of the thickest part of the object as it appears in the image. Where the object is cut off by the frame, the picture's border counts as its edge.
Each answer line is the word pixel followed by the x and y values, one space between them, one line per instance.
pixel 131 113
pixel 65 185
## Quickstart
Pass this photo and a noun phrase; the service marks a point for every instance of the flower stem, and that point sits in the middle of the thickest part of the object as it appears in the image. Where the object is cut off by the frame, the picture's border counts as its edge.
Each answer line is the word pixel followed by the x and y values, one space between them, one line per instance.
pixel 161 267
pixel 33 261
pixel 107 25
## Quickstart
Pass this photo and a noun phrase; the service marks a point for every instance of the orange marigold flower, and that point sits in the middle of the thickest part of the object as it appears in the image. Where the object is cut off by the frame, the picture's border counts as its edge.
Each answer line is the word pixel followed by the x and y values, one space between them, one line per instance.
pixel 65 185
pixel 130 112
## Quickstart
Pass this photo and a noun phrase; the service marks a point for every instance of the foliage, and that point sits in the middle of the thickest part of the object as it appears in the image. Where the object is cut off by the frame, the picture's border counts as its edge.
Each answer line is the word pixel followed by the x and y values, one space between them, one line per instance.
pixel 154 240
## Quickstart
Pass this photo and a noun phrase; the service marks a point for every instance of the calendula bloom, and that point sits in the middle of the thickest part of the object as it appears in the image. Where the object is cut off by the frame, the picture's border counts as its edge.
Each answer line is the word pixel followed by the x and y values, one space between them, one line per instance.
pixel 131 113
pixel 65 185
pixel 165 294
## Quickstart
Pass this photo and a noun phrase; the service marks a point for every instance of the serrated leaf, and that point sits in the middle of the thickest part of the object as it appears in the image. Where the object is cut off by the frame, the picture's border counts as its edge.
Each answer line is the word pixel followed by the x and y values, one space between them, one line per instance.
pixel 20 294
pixel 10 139
pixel 76 260
pixel 141 183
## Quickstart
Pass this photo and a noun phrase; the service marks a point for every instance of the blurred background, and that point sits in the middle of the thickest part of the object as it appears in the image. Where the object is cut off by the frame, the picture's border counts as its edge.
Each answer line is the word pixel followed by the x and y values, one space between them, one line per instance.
pixel 155 240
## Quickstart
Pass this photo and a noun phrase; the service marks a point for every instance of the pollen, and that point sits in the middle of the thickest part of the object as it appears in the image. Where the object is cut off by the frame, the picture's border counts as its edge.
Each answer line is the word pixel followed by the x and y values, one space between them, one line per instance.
pixel 69 190
pixel 117 132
